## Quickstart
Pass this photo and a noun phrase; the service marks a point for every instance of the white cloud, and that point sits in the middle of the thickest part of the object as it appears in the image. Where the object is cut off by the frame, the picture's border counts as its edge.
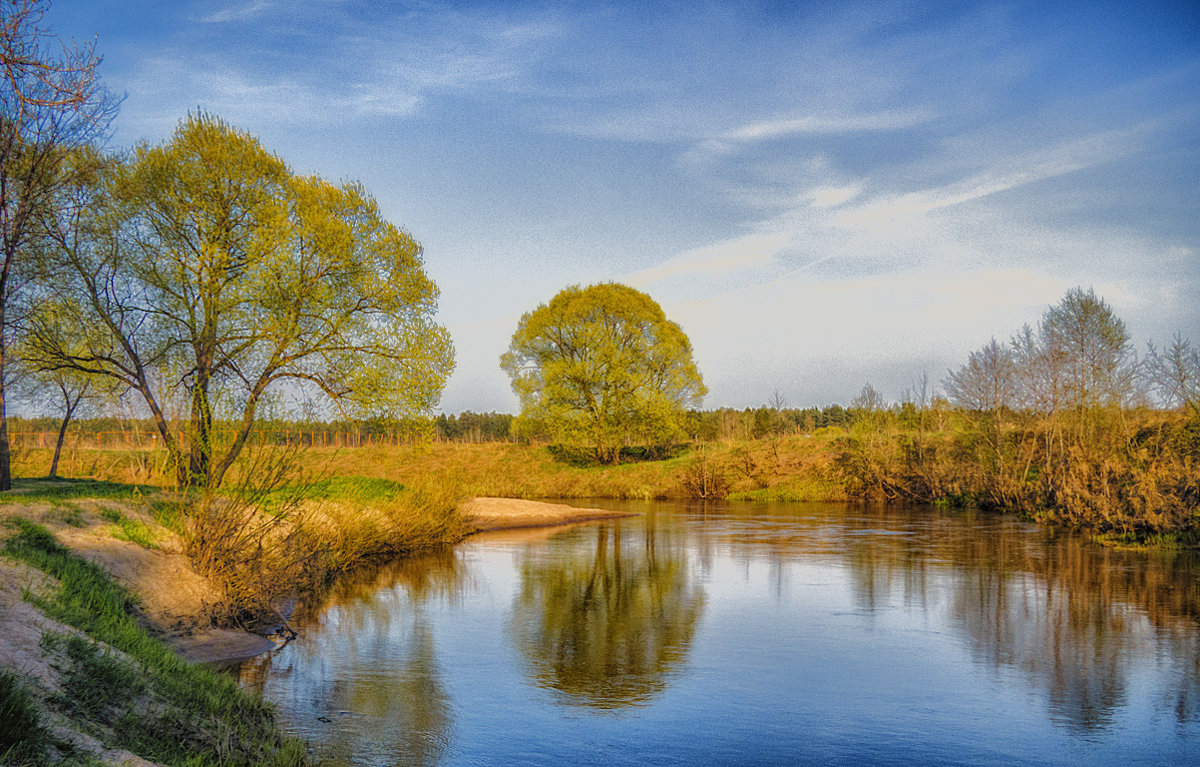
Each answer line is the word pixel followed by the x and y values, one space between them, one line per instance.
pixel 829 124
pixel 237 11
pixel 832 197
pixel 734 255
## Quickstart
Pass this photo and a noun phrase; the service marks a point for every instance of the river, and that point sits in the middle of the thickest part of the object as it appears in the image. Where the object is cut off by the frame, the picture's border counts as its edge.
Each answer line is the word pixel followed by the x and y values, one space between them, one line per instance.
pixel 753 634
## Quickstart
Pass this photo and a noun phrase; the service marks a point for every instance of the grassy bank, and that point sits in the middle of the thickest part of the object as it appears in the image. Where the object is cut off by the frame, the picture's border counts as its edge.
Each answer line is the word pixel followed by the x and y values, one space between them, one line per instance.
pixel 794 467
pixel 1130 476
pixel 114 686
pixel 96 574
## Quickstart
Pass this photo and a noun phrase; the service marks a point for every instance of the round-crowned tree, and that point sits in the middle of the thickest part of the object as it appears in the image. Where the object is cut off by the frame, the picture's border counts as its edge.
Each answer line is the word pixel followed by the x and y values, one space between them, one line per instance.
pixel 603 367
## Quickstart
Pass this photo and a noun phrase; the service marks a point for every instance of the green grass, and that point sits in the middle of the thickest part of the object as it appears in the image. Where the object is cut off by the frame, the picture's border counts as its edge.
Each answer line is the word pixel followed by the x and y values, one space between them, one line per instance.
pixel 22 736
pixel 130 529
pixel 1158 543
pixel 70 515
pixel 195 716
pixel 97 684
pixel 27 490
pixel 796 492
pixel 356 488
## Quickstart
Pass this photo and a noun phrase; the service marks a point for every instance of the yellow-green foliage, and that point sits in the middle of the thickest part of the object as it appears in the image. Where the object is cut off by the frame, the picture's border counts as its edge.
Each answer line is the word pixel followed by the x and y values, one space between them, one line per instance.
pixel 239 265
pixel 600 366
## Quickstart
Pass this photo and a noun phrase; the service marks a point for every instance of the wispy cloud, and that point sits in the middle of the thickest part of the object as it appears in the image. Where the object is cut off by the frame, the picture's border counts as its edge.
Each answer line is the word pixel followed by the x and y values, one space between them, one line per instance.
pixel 1005 174
pixel 829 124
pixel 348 70
pixel 237 11
pixel 735 255
pixel 842 226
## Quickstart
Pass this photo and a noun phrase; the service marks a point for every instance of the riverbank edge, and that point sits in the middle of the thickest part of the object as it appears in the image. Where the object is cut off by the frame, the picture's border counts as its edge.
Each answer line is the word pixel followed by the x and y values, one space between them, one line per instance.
pixel 219 647
pixel 483 515
pixel 86 537
pixel 222 646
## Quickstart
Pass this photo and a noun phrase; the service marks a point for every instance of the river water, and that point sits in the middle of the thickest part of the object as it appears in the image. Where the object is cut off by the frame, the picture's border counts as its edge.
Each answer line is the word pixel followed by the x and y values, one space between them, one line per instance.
pixel 753 634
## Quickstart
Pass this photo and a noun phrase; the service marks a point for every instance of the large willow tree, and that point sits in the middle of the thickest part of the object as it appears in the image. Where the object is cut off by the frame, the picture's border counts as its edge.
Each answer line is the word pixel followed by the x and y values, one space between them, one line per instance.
pixel 603 366
pixel 217 274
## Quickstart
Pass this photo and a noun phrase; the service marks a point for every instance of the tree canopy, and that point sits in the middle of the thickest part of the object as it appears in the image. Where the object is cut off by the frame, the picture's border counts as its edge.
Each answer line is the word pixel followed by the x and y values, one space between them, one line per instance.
pixel 217 274
pixel 603 366
pixel 1091 345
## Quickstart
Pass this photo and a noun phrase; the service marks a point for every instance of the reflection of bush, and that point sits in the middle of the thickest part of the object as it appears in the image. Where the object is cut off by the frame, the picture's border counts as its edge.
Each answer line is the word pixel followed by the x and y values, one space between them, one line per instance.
pixel 380 662
pixel 1075 619
pixel 605 628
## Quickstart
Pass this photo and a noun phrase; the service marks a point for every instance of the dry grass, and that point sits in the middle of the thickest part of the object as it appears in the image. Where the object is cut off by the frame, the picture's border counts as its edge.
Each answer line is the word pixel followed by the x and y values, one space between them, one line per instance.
pixel 358 523
pixel 274 532
pixel 795 467
pixel 1131 476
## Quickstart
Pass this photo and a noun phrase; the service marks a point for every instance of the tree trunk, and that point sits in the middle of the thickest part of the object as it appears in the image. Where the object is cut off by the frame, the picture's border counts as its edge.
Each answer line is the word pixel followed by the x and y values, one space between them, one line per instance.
pixel 68 413
pixel 239 440
pixel 62 435
pixel 5 453
pixel 200 458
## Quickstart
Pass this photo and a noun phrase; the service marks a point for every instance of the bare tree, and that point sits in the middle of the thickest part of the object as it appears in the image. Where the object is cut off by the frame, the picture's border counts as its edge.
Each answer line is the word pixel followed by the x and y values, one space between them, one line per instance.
pixel 869 400
pixel 987 382
pixel 48 387
pixel 1039 372
pixel 919 395
pixel 1094 346
pixel 51 101
pixel 1174 373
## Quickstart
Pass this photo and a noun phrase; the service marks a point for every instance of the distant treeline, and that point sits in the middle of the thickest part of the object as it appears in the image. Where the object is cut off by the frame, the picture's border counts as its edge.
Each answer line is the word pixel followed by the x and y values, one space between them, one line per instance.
pixel 701 426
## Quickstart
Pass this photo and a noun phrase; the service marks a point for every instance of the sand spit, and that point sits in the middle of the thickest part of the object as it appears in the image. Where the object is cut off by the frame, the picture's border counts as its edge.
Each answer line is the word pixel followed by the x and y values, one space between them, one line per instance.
pixel 486 514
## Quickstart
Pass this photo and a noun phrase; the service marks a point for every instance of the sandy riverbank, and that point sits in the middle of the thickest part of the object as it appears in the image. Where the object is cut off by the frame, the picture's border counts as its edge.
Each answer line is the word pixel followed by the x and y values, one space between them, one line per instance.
pixel 487 514
pixel 174 598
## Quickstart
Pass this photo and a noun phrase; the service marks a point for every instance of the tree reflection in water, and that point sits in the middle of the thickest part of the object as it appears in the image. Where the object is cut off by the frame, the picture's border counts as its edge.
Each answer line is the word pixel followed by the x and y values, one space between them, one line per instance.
pixel 400 713
pixel 605 626
pixel 604 617
pixel 1076 619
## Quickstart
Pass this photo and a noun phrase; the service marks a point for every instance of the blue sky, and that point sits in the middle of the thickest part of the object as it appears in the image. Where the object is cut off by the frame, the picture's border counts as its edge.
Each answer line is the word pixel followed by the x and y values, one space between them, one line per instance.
pixel 821 194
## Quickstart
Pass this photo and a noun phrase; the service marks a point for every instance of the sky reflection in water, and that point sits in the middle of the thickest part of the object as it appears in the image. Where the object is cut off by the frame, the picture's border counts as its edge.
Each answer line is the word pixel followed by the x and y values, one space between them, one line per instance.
pixel 753 634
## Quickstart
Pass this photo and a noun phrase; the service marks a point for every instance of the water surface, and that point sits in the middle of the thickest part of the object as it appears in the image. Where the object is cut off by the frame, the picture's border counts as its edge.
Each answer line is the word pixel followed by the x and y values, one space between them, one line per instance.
pixel 753 634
